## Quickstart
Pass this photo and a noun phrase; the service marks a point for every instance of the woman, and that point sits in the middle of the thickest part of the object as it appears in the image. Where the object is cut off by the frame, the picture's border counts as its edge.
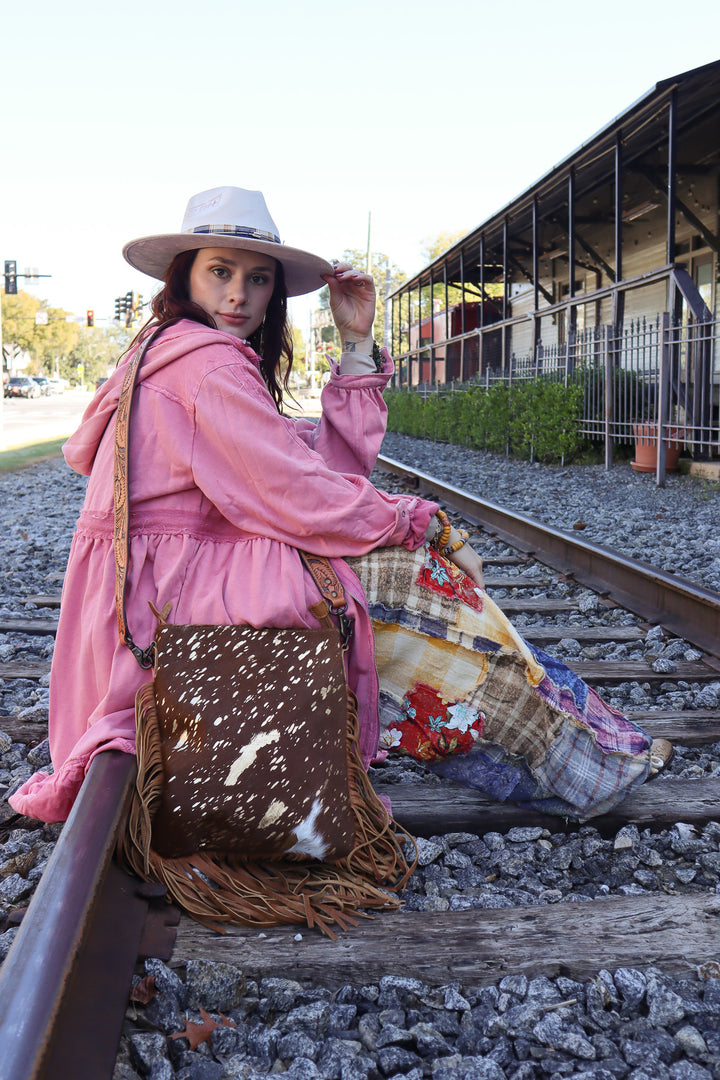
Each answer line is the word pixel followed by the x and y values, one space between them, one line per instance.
pixel 225 488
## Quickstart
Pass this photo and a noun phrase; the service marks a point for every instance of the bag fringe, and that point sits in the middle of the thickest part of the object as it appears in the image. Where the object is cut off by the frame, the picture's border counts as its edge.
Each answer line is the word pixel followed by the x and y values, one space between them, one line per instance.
pixel 217 890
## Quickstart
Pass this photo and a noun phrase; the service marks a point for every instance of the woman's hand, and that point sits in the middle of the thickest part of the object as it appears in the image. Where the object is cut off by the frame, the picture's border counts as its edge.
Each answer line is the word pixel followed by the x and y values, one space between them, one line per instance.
pixel 352 302
pixel 467 560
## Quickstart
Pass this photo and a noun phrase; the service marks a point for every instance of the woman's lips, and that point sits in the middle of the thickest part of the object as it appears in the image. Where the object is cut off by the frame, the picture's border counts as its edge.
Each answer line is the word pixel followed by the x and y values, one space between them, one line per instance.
pixel 237 320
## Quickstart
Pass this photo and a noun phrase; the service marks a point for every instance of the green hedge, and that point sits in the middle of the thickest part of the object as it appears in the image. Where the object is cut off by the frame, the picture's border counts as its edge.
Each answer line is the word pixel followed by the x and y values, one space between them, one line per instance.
pixel 536 420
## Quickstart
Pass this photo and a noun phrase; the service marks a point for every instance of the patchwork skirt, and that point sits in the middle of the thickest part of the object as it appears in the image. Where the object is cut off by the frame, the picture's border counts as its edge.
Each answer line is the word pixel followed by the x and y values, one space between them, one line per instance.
pixel 463 692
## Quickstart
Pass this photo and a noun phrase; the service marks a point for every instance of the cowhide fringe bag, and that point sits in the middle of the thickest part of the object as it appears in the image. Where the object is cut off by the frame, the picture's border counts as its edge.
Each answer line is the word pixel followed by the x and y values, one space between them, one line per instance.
pixel 251 803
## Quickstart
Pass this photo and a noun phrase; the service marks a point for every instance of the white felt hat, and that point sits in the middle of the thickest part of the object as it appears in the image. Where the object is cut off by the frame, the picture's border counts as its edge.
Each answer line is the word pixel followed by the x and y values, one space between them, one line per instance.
pixel 228 217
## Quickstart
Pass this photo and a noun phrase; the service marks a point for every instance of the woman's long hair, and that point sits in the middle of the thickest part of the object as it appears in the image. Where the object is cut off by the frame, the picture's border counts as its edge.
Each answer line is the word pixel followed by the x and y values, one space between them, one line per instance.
pixel 272 341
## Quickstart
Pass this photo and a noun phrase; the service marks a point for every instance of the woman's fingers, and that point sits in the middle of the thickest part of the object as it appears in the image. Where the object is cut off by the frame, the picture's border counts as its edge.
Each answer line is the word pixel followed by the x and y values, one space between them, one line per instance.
pixel 352 299
pixel 468 560
pixel 346 274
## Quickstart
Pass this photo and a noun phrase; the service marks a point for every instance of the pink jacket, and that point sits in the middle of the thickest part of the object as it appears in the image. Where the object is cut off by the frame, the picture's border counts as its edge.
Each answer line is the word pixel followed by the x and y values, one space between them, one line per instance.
pixel 223 491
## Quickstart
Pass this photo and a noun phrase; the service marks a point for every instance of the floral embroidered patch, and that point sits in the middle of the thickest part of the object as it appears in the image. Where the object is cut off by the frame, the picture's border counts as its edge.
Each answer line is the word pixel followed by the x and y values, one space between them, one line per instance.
pixel 442 576
pixel 431 727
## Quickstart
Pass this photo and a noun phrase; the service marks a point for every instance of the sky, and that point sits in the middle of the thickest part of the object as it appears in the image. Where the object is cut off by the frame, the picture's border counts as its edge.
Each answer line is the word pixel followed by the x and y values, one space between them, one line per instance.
pixel 416 117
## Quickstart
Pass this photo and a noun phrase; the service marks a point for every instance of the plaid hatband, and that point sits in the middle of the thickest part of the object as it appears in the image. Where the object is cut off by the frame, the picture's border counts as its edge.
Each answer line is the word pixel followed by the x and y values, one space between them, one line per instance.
pixel 237 230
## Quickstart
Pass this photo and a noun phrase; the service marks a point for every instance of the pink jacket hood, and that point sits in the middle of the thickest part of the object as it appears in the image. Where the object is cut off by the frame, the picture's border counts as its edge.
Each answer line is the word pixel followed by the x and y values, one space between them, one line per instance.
pixel 178 340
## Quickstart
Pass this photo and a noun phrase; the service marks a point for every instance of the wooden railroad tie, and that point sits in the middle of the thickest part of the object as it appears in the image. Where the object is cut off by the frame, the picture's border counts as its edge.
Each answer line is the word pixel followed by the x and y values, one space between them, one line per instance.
pixel 673 933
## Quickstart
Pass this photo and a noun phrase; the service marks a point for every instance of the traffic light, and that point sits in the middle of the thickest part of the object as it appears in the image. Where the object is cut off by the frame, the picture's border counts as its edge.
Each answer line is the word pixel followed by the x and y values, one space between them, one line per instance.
pixel 128 307
pixel 10 277
pixel 91 318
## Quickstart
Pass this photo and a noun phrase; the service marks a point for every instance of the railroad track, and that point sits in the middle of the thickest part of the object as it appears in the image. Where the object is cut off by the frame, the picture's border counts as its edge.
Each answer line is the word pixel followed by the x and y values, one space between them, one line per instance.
pixel 69 969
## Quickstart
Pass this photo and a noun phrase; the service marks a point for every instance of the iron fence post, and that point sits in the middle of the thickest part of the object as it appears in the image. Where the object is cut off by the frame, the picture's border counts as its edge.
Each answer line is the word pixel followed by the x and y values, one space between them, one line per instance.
pixel 663 400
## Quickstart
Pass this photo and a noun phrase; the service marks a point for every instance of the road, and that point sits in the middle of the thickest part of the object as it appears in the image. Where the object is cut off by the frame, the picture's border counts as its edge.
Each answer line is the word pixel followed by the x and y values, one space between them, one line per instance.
pixel 36 420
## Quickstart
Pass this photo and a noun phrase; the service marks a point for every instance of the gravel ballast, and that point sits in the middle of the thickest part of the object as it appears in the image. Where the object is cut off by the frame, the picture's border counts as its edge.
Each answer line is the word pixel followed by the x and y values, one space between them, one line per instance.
pixel 638 1023
pixel 675 528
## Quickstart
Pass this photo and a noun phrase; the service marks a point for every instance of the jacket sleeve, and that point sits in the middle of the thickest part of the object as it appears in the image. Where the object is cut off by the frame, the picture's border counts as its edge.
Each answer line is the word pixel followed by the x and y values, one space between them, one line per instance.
pixel 265 479
pixel 354 415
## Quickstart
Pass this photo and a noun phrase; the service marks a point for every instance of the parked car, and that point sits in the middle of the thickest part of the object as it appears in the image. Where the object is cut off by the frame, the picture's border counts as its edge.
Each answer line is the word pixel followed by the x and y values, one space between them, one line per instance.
pixel 43 382
pixel 57 386
pixel 22 386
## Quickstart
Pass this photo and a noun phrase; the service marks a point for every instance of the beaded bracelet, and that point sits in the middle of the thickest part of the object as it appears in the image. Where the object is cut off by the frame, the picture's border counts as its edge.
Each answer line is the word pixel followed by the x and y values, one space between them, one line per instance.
pixel 441 542
pixel 450 549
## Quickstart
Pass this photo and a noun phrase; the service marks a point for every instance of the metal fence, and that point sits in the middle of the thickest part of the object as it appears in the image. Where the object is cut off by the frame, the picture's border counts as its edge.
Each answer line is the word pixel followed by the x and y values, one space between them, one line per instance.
pixel 658 373
pixel 662 374
pixel 654 372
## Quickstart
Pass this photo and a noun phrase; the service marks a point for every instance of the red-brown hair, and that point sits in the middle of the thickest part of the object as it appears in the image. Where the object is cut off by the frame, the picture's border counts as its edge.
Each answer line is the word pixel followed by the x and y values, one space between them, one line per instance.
pixel 272 341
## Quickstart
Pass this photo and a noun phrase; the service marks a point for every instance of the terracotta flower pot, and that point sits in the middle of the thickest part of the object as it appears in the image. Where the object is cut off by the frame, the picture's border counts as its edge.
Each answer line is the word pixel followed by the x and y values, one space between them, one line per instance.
pixel 646 448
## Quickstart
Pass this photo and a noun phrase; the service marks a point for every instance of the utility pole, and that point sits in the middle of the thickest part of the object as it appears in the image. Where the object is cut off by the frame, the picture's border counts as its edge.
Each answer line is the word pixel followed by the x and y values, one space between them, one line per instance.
pixel 319 319
pixel 387 329
pixel 310 355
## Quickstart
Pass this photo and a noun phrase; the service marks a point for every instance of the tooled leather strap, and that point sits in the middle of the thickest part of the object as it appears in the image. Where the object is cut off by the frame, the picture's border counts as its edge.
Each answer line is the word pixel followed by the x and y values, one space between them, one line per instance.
pixel 121 504
pixel 321 568
pixel 331 588
pixel 326 580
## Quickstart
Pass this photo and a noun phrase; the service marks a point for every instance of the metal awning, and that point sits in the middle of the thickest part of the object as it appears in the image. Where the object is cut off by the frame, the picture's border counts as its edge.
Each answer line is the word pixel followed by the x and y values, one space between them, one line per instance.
pixel 504 242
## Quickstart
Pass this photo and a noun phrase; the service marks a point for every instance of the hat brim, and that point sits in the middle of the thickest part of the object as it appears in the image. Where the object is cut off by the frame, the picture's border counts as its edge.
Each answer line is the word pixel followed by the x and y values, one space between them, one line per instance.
pixel 304 272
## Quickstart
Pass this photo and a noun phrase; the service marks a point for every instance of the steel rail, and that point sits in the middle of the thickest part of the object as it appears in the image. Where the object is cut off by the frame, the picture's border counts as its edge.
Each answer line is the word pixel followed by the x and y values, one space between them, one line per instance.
pixel 65 982
pixel 686 609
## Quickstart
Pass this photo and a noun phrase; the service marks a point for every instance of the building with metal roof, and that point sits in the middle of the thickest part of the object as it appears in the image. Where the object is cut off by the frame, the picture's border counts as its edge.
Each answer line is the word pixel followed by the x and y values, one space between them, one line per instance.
pixel 584 266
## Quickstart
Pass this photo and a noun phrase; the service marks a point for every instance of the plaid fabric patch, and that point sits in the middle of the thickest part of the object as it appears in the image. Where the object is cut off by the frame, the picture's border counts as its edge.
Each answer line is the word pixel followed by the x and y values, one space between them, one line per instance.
pixel 576 770
pixel 400 589
pixel 576 779
pixel 517 717
pixel 457 679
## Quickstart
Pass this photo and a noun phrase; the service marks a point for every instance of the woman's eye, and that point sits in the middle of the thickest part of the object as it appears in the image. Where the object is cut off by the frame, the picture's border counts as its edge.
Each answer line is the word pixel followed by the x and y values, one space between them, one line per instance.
pixel 219 271
pixel 259 279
